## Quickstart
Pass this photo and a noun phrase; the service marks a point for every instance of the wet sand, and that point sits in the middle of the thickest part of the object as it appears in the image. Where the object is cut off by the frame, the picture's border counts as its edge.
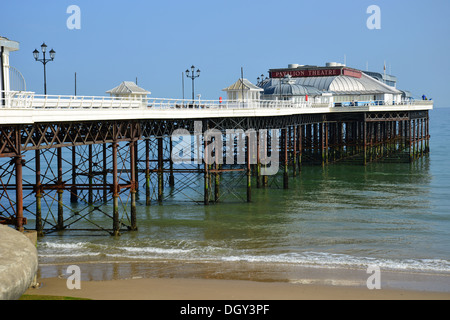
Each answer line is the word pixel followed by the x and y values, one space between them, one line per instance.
pixel 167 280
pixel 211 289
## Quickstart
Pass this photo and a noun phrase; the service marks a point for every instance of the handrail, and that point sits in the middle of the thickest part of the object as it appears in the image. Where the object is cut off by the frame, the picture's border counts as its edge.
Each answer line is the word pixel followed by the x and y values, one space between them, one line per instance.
pixel 24 99
pixel 383 103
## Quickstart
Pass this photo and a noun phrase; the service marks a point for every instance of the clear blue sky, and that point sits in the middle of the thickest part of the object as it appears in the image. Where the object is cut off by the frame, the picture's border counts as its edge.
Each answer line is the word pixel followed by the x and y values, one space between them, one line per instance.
pixel 157 40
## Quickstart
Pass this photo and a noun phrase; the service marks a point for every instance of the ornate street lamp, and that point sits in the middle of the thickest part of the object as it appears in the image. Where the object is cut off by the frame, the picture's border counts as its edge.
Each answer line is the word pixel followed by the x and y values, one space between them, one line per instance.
pixel 44 61
pixel 191 74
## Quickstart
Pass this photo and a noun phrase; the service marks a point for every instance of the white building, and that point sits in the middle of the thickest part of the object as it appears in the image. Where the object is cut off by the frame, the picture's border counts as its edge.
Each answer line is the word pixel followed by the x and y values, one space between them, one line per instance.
pixel 129 90
pixel 243 92
pixel 348 86
pixel 6 46
pixel 288 89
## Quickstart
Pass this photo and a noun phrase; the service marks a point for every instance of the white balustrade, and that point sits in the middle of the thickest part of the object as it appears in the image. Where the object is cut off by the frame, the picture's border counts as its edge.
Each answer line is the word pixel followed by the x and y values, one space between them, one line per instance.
pixel 22 99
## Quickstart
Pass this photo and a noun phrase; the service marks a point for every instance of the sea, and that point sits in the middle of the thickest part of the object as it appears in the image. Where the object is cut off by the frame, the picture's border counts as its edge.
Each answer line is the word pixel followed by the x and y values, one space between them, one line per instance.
pixel 328 228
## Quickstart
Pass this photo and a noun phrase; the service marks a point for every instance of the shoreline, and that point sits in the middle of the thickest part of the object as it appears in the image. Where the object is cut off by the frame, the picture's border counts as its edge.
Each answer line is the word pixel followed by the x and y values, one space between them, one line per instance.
pixel 212 289
pixel 175 280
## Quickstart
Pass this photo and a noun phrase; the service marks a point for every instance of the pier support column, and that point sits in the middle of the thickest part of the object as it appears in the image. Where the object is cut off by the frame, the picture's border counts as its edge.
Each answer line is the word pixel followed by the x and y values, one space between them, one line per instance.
pixel 160 169
pixel 416 138
pixel 136 167
pixel 286 159
pixel 39 227
pixel 265 177
pixel 308 145
pixel 402 135
pixel 422 137
pixel 346 137
pixel 258 161
pixel 249 170
pixel 365 142
pixel 300 147
pixel 325 142
pixel 206 167
pixel 73 189
pixel 133 183
pixel 411 140
pixel 60 190
pixel 322 142
pixel 206 186
pixel 105 174
pixel 171 176
pixel 19 193
pixel 294 151
pixel 341 140
pixel 90 175
pixel 147 173
pixel 217 183
pixel 427 134
pixel 116 224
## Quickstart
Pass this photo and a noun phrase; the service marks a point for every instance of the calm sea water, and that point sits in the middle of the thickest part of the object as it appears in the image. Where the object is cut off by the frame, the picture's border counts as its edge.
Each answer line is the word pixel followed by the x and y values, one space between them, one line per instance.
pixel 394 215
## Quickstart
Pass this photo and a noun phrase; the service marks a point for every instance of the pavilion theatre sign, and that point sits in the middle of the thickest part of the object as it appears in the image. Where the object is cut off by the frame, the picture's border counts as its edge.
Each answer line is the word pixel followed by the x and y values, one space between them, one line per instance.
pixel 316 73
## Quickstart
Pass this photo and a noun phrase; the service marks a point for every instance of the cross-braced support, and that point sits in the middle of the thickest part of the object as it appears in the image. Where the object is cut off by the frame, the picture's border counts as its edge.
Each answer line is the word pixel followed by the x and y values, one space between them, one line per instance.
pixel 64 175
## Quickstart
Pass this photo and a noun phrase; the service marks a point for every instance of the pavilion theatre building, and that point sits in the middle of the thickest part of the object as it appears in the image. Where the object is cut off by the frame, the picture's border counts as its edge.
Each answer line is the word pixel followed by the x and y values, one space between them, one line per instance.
pixel 346 86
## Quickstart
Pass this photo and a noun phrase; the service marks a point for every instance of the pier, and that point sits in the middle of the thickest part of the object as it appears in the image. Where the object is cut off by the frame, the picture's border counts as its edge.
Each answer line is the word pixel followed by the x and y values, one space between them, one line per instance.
pixel 67 159
pixel 104 153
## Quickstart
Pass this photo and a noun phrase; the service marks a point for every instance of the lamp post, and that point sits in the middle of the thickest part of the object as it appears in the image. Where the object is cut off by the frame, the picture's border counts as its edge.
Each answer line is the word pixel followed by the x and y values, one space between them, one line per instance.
pixel 44 61
pixel 191 74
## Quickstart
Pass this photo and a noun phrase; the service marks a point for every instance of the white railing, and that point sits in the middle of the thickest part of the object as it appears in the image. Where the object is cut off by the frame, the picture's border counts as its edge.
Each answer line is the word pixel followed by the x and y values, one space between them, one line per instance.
pixel 383 103
pixel 20 99
pixel 229 104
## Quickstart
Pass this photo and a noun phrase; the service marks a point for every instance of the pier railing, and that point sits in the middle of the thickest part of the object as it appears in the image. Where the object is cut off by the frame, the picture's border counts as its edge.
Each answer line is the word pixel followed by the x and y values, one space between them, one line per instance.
pixel 20 99
pixel 30 100
pixel 383 103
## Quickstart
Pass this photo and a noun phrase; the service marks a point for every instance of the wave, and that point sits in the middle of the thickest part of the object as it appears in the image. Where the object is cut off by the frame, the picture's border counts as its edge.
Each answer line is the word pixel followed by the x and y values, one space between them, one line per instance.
pixel 67 246
pixel 328 260
pixel 74 250
pixel 142 250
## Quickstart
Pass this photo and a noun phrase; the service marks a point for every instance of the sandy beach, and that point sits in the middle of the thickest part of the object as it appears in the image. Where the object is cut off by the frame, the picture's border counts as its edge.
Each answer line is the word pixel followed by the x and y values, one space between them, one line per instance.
pixel 210 289
pixel 200 281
